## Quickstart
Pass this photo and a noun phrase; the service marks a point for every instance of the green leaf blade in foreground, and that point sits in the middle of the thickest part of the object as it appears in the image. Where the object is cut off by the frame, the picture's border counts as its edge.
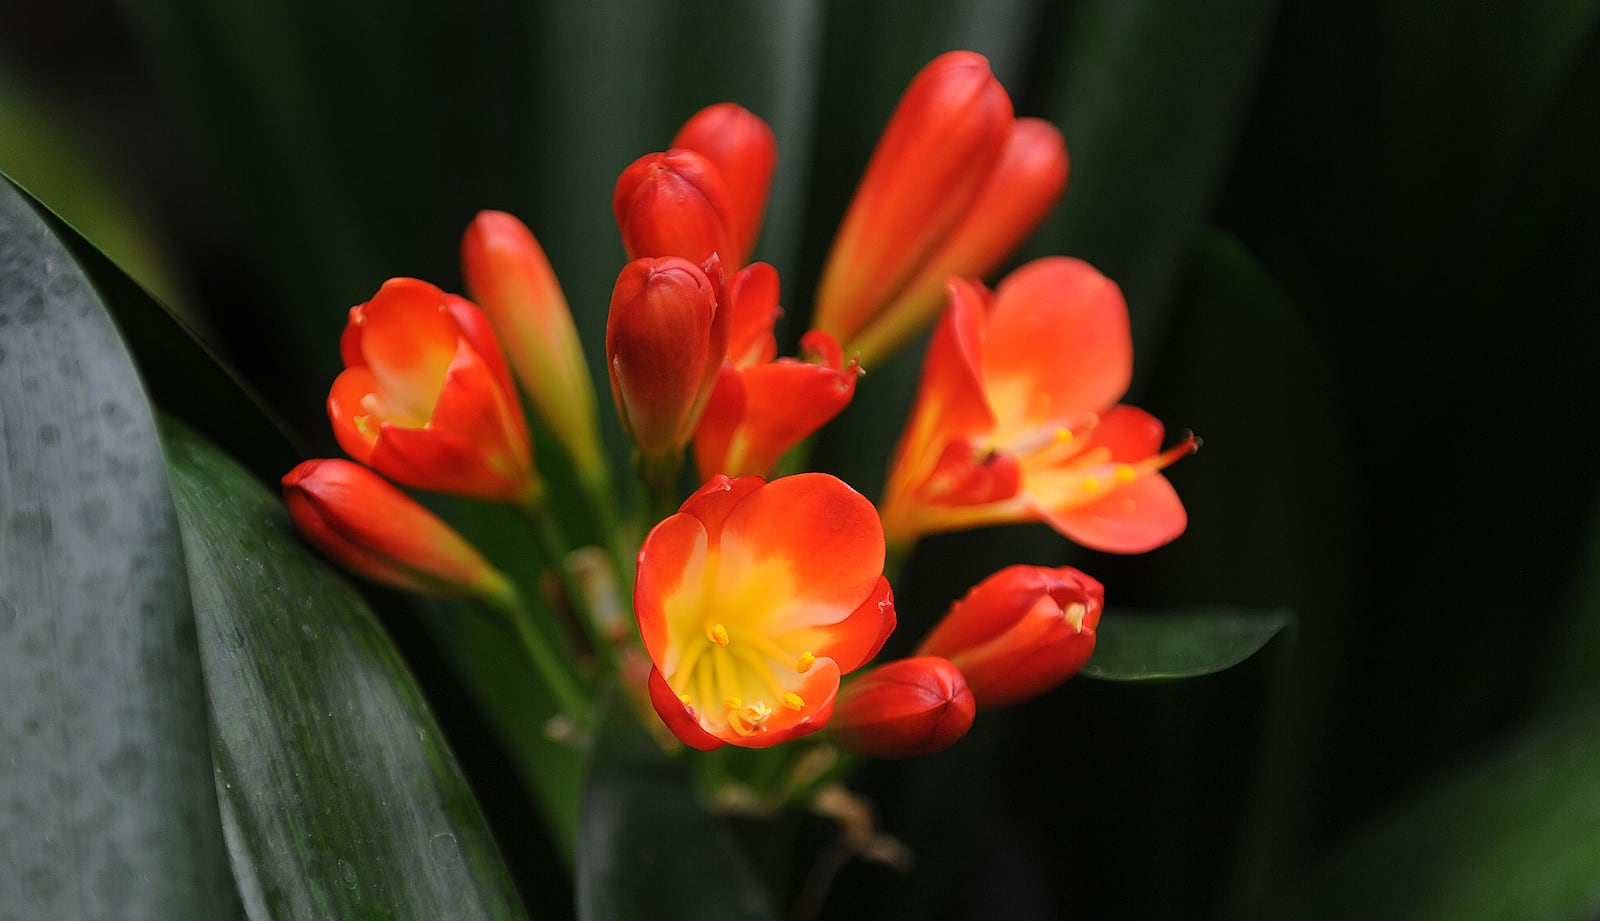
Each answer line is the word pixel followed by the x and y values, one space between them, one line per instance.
pixel 1514 838
pixel 1180 644
pixel 106 809
pixel 339 796
pixel 648 849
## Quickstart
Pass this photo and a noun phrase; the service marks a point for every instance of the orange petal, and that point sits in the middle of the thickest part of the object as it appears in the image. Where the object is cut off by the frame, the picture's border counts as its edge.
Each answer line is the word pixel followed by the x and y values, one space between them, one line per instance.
pixel 353 427
pixel 670 562
pixel 753 294
pixel 1058 330
pixel 853 642
pixel 825 534
pixel 408 342
pixel 678 717
pixel 1132 518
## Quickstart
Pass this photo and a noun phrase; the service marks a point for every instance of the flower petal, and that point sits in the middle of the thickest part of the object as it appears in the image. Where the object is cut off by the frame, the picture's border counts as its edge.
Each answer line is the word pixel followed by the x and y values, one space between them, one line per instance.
pixel 1057 344
pixel 678 716
pixel 409 342
pixel 1132 518
pixel 819 533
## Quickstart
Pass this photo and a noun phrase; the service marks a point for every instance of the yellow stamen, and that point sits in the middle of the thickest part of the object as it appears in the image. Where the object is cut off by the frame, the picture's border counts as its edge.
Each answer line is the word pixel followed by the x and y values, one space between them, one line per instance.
pixel 806 661
pixel 733 703
pixel 1090 484
pixel 794 701
pixel 1126 473
pixel 1063 435
pixel 719 634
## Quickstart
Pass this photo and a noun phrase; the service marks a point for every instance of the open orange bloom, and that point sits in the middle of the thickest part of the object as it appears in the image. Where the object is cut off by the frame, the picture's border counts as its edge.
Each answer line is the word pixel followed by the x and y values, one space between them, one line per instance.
pixel 1016 418
pixel 762 406
pixel 426 397
pixel 753 599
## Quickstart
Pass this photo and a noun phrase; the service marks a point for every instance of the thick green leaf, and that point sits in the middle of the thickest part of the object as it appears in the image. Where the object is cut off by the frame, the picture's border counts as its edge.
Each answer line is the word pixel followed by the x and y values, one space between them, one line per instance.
pixel 106 809
pixel 1181 644
pixel 339 796
pixel 648 849
pixel 1515 838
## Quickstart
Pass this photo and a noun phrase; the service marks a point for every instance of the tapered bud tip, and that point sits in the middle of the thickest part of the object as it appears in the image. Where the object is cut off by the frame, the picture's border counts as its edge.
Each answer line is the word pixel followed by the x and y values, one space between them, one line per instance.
pixel 363 523
pixel 673 203
pixel 903 708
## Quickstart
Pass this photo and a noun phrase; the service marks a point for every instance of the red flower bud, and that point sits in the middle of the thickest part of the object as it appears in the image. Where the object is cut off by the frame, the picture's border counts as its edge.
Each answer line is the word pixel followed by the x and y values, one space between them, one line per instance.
pixel 1020 632
pixel 674 204
pixel 510 278
pixel 1024 185
pixel 426 398
pixel 665 340
pixel 934 159
pixel 366 525
pixel 744 151
pixel 902 708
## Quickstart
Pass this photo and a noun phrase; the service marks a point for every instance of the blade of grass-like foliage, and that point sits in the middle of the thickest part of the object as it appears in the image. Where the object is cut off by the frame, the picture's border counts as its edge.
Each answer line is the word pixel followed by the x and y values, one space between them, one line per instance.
pixel 106 805
pixel 648 849
pixel 1149 95
pixel 339 796
pixel 1516 837
pixel 1180 644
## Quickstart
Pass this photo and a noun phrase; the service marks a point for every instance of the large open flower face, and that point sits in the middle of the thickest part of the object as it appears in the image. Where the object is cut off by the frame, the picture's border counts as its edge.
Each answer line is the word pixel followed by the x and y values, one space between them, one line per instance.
pixel 753 599
pixel 1017 418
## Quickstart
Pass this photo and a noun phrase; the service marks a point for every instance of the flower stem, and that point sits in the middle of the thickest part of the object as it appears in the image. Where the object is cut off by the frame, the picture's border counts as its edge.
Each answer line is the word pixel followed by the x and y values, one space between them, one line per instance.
pixel 660 477
pixel 547 537
pixel 557 677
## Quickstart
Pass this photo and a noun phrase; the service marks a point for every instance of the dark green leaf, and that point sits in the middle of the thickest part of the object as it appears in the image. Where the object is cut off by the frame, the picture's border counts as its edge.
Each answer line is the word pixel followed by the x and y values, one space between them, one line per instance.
pixel 1181 644
pixel 339 796
pixel 1149 95
pixel 1515 838
pixel 183 376
pixel 106 805
pixel 648 849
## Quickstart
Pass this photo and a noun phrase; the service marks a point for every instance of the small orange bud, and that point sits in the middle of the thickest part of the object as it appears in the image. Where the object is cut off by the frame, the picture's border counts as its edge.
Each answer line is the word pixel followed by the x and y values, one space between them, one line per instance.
pixel 509 277
pixel 674 204
pixel 1020 632
pixel 744 151
pixel 902 708
pixel 666 336
pixel 373 529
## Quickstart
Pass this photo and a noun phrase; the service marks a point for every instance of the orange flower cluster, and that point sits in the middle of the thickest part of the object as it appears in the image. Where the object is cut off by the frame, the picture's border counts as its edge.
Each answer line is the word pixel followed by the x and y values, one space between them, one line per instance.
pixel 756 599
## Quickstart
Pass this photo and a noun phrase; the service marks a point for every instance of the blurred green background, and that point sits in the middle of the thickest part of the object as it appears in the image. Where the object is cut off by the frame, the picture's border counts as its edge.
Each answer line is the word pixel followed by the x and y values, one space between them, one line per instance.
pixel 1359 243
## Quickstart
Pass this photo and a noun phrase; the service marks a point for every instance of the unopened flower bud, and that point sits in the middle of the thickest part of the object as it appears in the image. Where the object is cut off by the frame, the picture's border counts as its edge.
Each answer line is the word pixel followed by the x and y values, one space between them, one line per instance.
pixel 906 707
pixel 1020 632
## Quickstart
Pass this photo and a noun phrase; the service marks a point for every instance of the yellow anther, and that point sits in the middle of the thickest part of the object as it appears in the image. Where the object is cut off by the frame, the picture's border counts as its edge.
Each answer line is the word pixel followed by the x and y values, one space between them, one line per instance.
pixel 686 701
pixel 733 703
pixel 805 663
pixel 1126 473
pixel 1090 484
pixel 1063 435
pixel 794 701
pixel 719 634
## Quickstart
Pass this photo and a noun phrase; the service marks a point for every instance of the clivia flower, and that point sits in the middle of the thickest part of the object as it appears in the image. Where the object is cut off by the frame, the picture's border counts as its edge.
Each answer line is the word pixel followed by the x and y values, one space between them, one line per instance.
pixel 761 406
pixel 907 707
pixel 934 160
pixel 1020 632
pixel 359 520
pixel 743 149
pixel 666 336
pixel 674 204
pixel 753 599
pixel 508 276
pixel 426 398
pixel 1016 419
pixel 1022 187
